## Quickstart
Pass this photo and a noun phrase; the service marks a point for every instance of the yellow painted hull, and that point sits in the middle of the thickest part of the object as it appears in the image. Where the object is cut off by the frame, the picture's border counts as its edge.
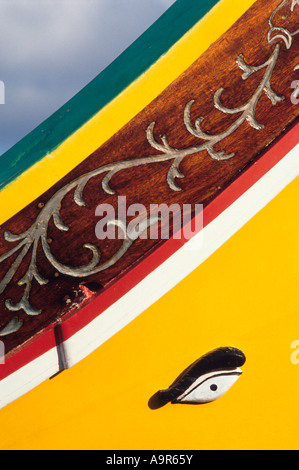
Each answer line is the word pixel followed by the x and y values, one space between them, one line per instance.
pixel 245 295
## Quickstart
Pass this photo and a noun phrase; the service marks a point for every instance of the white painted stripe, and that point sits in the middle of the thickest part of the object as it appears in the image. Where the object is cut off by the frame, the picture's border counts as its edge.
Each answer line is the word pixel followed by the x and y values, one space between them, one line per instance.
pixel 183 262
pixel 28 377
pixel 157 283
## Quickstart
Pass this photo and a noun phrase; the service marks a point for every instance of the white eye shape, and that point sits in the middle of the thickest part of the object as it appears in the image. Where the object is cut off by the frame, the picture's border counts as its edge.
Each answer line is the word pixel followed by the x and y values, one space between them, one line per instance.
pixel 210 386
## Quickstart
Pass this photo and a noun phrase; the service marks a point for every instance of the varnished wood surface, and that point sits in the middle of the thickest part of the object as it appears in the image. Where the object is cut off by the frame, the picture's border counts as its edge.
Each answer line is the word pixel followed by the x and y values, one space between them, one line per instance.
pixel 204 177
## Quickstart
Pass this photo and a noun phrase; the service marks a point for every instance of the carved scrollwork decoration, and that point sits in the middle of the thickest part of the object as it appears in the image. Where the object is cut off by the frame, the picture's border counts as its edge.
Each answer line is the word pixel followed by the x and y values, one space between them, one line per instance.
pixel 36 235
pixel 278 32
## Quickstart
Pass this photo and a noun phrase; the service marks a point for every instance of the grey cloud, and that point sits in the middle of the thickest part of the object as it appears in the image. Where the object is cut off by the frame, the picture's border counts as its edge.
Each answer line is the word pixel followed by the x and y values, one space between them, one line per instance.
pixel 50 49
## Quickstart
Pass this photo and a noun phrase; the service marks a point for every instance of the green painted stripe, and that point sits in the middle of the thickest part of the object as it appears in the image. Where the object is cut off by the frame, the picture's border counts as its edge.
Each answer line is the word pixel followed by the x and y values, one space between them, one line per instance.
pixel 134 61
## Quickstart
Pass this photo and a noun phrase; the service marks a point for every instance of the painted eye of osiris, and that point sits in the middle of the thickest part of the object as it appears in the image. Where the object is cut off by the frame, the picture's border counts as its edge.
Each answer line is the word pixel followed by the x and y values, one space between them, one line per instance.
pixel 204 381
pixel 209 387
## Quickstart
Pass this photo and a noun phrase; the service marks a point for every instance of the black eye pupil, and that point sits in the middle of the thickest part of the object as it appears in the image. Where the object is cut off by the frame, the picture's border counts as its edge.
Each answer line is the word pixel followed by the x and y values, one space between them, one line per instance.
pixel 213 387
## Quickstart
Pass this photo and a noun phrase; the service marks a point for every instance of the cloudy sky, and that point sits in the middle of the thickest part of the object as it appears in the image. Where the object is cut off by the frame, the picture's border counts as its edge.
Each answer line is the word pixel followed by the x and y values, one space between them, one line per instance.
pixel 50 49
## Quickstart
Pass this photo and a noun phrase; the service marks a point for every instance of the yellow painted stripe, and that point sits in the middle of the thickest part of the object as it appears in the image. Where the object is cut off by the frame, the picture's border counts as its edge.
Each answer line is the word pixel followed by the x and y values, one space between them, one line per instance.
pixel 245 295
pixel 41 176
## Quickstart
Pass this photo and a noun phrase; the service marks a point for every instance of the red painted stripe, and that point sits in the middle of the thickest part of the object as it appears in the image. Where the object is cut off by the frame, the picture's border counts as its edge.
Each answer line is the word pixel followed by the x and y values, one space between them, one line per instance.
pixel 96 305
pixel 39 346
pixel 113 293
pixel 251 176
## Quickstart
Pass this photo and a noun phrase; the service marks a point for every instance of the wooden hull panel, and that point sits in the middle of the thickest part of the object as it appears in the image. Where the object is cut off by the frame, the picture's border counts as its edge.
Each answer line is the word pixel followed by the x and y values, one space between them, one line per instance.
pixel 223 136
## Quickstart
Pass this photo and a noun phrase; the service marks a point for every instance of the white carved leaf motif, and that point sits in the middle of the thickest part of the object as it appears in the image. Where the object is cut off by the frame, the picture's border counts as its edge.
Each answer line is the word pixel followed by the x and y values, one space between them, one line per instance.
pixel 277 32
pixel 36 235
